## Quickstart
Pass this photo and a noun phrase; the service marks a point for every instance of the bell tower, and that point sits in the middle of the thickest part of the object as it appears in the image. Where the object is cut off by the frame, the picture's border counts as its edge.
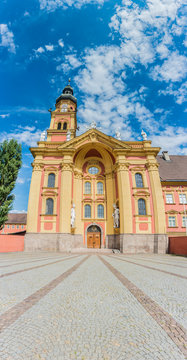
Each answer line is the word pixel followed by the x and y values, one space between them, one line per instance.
pixel 63 119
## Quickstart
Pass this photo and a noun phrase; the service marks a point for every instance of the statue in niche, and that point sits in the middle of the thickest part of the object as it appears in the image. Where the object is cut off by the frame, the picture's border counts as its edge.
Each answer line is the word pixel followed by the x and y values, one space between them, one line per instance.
pixel 43 135
pixel 116 216
pixel 144 135
pixel 68 135
pixel 73 216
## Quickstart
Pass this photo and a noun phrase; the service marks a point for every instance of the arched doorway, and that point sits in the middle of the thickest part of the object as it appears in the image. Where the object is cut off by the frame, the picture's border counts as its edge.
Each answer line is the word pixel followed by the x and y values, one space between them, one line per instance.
pixel 94 237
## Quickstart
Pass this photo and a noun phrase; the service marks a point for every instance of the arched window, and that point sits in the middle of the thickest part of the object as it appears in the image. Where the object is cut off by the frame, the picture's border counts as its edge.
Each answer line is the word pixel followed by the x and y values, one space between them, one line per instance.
pixel 139 180
pixel 100 187
pixel 141 207
pixel 65 126
pixel 100 211
pixel 59 126
pixel 51 180
pixel 87 211
pixel 87 187
pixel 49 206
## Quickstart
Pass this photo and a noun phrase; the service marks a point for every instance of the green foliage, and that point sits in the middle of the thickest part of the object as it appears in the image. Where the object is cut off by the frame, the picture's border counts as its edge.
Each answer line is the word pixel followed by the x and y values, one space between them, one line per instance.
pixel 10 163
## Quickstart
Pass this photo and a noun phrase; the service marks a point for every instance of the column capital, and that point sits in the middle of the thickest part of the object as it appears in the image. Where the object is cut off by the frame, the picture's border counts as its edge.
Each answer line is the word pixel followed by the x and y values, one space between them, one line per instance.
pixel 152 166
pixel 122 166
pixel 37 166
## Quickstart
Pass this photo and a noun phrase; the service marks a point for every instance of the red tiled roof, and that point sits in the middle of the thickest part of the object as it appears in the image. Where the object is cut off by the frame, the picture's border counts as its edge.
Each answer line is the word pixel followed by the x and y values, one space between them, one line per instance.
pixel 17 218
pixel 175 169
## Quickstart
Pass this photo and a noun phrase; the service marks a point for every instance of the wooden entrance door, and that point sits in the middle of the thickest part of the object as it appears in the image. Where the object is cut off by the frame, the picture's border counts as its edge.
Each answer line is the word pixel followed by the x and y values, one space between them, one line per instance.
pixel 94 240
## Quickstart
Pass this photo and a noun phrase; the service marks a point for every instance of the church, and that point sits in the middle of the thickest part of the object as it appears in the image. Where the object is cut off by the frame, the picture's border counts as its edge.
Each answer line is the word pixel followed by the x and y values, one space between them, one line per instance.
pixel 98 191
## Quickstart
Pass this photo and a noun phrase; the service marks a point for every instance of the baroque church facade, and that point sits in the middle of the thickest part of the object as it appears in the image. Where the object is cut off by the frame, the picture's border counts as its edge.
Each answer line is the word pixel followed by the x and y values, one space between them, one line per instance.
pixel 96 191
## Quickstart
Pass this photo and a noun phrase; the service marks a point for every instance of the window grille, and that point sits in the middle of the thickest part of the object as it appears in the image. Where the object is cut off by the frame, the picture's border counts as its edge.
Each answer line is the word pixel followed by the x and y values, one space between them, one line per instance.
pixel 87 211
pixel 169 199
pixel 182 198
pixel 49 206
pixel 139 180
pixel 100 211
pixel 172 221
pixel 141 207
pixel 59 126
pixel 65 126
pixel 87 187
pixel 51 180
pixel 100 188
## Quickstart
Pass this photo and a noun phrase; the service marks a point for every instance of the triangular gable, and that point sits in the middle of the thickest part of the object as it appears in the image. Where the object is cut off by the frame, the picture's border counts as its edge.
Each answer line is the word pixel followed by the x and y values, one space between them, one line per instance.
pixel 96 136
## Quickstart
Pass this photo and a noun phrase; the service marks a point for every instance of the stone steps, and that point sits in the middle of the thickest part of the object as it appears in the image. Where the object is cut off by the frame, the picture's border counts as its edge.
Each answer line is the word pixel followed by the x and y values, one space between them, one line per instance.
pixel 86 250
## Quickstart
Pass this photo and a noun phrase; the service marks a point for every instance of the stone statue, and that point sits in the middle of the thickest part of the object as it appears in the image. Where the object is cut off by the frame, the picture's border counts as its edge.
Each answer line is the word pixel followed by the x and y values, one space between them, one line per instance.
pixel 93 125
pixel 118 134
pixel 144 135
pixel 116 216
pixel 43 135
pixel 73 216
pixel 68 135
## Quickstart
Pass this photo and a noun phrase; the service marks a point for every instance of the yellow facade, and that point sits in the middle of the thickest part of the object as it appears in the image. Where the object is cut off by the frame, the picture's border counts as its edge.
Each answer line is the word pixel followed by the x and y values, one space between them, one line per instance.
pixel 94 173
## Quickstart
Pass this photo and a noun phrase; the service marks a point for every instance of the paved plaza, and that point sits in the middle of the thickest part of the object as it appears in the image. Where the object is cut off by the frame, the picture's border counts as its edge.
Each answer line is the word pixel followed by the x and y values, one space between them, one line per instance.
pixel 92 306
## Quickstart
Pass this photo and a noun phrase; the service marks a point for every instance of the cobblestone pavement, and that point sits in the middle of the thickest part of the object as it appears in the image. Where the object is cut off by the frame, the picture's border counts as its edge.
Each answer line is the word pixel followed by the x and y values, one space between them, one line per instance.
pixel 62 307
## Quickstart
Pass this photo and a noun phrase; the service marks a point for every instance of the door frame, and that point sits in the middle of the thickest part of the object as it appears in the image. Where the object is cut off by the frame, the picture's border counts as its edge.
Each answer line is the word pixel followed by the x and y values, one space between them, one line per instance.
pixel 101 232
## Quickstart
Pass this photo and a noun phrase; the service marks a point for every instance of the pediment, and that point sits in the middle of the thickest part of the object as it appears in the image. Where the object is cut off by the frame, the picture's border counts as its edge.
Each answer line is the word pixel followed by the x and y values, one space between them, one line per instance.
pixel 95 136
pixel 172 212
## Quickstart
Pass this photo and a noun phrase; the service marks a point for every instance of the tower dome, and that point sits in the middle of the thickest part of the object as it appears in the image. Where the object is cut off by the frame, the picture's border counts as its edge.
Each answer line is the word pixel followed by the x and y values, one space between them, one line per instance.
pixel 67 93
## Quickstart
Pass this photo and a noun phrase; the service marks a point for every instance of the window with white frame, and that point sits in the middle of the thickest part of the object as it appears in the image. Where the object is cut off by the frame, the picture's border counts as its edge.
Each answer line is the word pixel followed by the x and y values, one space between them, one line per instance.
pixel 87 187
pixel 184 221
pixel 172 221
pixel 182 198
pixel 100 187
pixel 100 211
pixel 87 211
pixel 169 198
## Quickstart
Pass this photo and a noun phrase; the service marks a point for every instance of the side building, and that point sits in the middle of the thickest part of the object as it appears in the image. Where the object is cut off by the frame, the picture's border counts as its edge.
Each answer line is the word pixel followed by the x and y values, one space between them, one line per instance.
pixel 95 191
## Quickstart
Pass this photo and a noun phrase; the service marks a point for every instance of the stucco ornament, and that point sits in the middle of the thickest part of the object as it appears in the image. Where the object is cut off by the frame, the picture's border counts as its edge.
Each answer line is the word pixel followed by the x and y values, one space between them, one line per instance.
pixel 73 216
pixel 116 216
pixel 43 135
pixel 68 135
pixel 144 135
pixel 118 134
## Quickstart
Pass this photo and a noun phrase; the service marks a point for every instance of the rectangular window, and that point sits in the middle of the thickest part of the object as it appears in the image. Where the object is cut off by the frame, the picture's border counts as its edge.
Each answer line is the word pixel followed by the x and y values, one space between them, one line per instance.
pixel 8 226
pixel 182 198
pixel 172 221
pixel 22 226
pixel 13 226
pixel 17 226
pixel 169 199
pixel 184 221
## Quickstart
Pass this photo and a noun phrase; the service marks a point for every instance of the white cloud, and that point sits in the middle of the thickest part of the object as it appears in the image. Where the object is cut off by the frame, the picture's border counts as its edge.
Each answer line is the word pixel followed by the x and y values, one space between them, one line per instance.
pixel 71 62
pixel 61 43
pixel 7 38
pixel 3 116
pixel 171 139
pixel 20 180
pixel 180 94
pixel 40 50
pixel 173 69
pixel 52 5
pixel 25 135
pixel 49 47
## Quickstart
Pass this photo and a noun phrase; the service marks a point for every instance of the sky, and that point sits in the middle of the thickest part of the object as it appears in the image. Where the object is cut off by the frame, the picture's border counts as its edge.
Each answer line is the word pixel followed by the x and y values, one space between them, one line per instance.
pixel 127 64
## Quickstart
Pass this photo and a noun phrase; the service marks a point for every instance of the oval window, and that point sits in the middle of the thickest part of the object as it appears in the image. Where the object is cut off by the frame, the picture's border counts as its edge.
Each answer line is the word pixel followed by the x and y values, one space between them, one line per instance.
pixel 93 170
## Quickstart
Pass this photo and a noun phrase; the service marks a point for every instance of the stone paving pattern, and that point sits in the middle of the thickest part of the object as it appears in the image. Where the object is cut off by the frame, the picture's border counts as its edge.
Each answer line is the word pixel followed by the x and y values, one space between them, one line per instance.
pixel 75 307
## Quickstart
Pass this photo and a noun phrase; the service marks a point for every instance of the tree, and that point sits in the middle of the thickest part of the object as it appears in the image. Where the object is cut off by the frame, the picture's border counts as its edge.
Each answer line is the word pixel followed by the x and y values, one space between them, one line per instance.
pixel 10 163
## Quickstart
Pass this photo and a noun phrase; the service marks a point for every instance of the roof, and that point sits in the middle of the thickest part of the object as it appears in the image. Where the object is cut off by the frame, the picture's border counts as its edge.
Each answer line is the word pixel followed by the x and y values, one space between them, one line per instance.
pixel 17 218
pixel 173 170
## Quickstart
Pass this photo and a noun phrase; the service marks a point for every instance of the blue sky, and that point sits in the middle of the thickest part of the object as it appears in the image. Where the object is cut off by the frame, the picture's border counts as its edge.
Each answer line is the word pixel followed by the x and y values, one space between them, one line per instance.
pixel 126 60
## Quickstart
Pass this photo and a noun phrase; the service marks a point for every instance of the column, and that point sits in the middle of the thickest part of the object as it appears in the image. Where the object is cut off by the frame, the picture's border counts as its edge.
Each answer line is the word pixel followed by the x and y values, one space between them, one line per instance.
pixel 78 201
pixel 34 196
pixel 158 202
pixel 66 194
pixel 125 204
pixel 109 204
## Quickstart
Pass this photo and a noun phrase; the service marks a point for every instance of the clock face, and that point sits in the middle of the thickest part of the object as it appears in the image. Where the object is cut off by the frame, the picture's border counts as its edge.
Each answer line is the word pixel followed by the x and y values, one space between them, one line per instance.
pixel 64 108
